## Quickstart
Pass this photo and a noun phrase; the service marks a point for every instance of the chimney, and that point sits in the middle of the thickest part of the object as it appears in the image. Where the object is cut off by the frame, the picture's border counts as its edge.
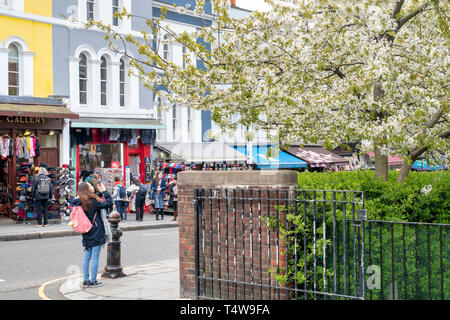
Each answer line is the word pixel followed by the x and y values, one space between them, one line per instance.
pixel 233 3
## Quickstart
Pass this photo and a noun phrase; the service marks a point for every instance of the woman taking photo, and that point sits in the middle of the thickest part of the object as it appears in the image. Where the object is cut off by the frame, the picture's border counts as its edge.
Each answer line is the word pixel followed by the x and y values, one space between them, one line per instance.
pixel 95 238
pixel 159 193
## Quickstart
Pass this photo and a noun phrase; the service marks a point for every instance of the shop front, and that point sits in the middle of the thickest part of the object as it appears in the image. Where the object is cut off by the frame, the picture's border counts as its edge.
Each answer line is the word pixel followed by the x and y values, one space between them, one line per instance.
pixel 115 147
pixel 30 134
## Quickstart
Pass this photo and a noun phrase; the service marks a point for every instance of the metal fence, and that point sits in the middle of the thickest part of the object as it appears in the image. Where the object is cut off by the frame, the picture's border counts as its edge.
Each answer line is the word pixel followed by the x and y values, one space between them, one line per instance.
pixel 312 244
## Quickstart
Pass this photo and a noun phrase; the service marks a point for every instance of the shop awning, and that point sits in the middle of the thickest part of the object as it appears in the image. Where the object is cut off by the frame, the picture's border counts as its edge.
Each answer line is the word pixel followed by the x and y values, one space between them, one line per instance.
pixel 422 165
pixel 391 160
pixel 203 152
pixel 279 160
pixel 318 156
pixel 117 123
pixel 36 110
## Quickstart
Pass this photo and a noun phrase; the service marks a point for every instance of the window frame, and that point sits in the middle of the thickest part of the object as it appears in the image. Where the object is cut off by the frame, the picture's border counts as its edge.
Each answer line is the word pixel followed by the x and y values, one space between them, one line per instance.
pixel 122 83
pixel 189 121
pixel 184 54
pixel 103 81
pixel 15 72
pixel 7 5
pixel 115 8
pixel 174 122
pixel 86 79
pixel 90 15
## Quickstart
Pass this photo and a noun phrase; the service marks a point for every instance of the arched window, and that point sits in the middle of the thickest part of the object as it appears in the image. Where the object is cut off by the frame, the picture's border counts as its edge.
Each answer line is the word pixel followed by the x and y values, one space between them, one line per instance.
pixel 166 49
pixel 115 8
pixel 103 81
pixel 13 70
pixel 90 8
pixel 83 79
pixel 122 83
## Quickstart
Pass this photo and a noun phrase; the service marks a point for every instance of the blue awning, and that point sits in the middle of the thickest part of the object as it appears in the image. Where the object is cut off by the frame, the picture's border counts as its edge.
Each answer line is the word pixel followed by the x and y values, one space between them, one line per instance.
pixel 281 160
pixel 422 165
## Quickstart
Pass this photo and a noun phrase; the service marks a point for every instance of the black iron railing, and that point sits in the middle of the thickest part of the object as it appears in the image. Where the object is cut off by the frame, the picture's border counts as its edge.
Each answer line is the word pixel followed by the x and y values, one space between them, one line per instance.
pixel 312 244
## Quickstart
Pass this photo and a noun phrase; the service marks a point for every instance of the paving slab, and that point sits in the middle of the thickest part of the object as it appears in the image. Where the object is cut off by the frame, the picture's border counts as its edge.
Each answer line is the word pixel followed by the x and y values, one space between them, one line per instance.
pixel 155 281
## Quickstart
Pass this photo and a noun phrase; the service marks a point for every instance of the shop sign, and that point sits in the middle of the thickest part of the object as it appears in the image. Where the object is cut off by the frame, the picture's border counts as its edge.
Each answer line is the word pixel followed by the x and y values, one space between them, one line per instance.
pixel 115 164
pixel 18 119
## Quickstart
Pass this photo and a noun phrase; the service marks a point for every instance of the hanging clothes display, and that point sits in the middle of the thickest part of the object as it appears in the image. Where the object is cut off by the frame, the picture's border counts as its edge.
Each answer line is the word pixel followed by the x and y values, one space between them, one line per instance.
pixel 134 137
pixel 114 134
pixel 148 136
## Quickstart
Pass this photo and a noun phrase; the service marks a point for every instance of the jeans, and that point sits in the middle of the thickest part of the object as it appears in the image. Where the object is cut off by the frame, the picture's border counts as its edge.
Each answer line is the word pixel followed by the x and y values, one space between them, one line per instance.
pixel 89 253
pixel 159 202
pixel 119 207
pixel 42 204
pixel 125 208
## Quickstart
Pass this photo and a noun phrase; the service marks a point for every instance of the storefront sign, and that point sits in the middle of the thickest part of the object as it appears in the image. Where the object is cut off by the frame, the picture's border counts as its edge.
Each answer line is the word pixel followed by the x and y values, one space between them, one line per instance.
pixel 16 119
pixel 115 164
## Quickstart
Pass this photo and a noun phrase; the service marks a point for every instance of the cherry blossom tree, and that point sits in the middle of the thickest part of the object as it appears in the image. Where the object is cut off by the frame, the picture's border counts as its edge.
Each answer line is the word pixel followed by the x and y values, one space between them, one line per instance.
pixel 329 71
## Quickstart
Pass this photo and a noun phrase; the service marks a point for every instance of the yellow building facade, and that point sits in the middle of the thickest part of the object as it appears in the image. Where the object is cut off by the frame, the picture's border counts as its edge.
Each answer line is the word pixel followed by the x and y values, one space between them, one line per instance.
pixel 22 25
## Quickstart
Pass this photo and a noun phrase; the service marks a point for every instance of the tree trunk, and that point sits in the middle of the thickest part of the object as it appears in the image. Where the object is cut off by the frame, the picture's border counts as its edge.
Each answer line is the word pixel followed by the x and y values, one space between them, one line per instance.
pixel 381 166
pixel 405 170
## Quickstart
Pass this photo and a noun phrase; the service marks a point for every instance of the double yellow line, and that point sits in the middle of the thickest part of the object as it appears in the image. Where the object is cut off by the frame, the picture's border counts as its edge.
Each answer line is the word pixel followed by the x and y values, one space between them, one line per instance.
pixel 41 290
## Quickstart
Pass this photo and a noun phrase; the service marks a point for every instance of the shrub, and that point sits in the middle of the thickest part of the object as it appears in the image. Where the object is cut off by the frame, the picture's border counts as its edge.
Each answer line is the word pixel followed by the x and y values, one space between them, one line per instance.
pixel 424 197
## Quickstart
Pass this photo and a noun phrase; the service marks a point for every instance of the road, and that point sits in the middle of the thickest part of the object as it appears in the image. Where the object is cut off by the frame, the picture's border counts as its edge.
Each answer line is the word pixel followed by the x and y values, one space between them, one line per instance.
pixel 26 265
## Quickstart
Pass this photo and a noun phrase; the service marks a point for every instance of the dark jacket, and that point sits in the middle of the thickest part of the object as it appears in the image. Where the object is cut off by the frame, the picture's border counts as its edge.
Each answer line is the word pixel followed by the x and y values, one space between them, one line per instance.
pixel 154 187
pixel 142 192
pixel 95 236
pixel 35 192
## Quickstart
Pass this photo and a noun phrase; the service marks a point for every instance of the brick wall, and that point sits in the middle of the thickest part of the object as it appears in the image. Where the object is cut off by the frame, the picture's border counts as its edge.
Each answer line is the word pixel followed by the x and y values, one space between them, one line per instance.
pixel 233 223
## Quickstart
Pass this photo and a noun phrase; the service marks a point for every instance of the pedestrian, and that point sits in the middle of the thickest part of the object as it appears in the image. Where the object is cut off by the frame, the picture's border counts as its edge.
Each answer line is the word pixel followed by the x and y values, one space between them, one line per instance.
pixel 98 175
pixel 42 192
pixel 94 239
pixel 140 200
pixel 118 195
pixel 173 198
pixel 159 188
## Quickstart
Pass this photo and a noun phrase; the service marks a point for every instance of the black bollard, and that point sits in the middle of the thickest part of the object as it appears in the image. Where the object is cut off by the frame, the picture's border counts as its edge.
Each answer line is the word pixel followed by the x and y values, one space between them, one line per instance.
pixel 113 268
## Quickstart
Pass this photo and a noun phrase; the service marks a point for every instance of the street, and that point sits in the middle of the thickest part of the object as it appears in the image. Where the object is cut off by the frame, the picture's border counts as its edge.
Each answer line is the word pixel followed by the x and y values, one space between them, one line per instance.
pixel 26 265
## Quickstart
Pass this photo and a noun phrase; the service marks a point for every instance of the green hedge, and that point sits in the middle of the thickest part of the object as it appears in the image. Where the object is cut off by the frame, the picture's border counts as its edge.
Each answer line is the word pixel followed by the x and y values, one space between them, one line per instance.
pixel 391 200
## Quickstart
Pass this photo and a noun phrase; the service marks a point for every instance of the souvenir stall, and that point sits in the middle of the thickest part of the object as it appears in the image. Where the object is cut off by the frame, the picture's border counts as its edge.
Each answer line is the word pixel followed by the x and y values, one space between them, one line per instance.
pixel 114 152
pixel 30 133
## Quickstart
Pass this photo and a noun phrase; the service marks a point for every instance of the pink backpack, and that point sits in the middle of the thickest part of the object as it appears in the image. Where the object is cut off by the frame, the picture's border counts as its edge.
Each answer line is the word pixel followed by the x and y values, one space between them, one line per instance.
pixel 79 221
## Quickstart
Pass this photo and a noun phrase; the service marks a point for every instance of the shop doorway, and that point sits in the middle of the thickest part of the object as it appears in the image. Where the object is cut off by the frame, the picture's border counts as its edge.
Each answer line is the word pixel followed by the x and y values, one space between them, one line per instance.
pixel 135 165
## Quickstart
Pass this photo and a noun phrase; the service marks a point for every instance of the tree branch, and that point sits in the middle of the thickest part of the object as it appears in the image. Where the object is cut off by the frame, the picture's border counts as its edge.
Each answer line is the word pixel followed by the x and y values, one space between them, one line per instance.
pixel 402 22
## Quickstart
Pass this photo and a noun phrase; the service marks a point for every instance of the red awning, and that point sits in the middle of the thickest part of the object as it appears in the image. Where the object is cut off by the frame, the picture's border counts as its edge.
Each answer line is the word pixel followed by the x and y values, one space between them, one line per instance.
pixel 391 160
pixel 318 156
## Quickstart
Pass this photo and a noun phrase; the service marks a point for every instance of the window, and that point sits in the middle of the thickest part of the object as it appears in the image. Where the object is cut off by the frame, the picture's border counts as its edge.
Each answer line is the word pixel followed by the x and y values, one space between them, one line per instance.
pixel 93 156
pixel 185 56
pixel 48 141
pixel 90 5
pixel 115 8
pixel 103 81
pixel 158 115
pixel 189 122
pixel 4 4
pixel 166 52
pixel 122 83
pixel 13 70
pixel 83 79
pixel 174 122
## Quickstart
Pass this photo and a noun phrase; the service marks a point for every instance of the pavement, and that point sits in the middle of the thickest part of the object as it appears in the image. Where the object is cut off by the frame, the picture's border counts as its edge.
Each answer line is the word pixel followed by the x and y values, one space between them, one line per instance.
pixel 155 281
pixel 10 230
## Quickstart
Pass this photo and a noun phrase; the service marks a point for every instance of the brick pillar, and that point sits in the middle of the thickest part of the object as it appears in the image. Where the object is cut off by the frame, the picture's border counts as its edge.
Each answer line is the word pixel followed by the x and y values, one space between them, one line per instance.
pixel 262 184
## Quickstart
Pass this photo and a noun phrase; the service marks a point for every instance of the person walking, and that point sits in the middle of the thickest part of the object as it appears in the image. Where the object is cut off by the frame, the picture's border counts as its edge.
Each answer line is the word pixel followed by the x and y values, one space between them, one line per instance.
pixel 118 196
pixel 140 200
pixel 173 198
pixel 159 188
pixel 94 239
pixel 42 192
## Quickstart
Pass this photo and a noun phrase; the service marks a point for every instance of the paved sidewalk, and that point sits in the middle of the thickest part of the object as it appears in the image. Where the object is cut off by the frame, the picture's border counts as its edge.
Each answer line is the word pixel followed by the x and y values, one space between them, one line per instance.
pixel 10 230
pixel 155 281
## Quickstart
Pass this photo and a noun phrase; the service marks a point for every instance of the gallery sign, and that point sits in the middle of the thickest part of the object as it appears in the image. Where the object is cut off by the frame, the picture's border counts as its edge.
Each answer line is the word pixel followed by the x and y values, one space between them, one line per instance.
pixel 24 120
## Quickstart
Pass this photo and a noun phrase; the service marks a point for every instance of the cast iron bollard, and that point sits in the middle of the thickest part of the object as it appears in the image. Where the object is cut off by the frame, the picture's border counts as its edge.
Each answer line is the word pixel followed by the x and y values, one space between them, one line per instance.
pixel 113 268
